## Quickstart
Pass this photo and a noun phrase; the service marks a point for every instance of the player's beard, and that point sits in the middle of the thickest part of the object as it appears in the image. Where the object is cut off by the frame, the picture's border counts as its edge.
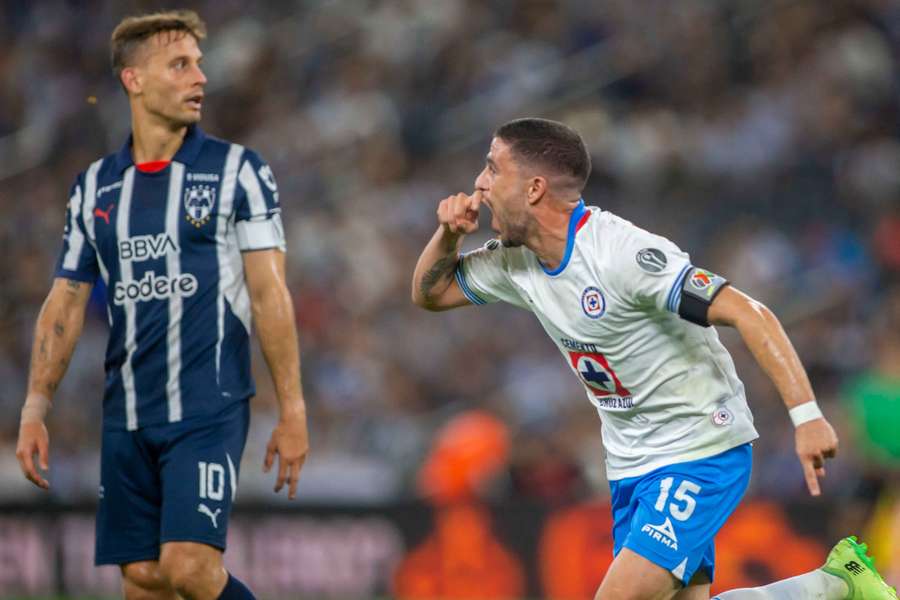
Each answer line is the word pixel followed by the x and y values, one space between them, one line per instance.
pixel 516 233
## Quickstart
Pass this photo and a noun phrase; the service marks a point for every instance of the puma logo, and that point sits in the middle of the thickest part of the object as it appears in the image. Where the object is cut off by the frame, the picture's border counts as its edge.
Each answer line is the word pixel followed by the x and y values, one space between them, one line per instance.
pixel 202 508
pixel 104 213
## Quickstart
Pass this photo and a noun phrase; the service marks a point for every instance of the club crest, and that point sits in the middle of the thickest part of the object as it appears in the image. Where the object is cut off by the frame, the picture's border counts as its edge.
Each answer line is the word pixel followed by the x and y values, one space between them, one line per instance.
pixel 593 303
pixel 198 204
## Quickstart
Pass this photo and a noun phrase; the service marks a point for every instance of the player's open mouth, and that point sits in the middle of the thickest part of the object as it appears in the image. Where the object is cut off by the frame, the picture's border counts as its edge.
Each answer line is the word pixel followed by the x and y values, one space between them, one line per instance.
pixel 195 102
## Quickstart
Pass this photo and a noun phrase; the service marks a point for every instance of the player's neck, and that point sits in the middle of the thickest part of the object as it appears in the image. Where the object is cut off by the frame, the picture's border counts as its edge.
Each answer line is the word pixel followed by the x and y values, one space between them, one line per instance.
pixel 549 238
pixel 550 234
pixel 154 139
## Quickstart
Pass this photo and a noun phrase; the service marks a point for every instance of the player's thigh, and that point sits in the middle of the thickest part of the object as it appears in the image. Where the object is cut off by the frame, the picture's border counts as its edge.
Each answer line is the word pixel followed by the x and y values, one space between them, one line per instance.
pixel 633 577
pixel 129 509
pixel 200 478
pixel 142 580
pixel 698 589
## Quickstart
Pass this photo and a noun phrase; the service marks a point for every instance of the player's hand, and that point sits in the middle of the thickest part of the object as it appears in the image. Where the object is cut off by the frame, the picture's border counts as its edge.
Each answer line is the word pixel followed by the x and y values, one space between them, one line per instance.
pixel 290 442
pixel 33 439
pixel 459 214
pixel 815 442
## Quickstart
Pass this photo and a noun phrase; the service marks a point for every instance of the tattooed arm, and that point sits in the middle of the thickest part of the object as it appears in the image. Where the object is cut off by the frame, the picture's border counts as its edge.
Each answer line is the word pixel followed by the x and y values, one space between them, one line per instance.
pixel 434 286
pixel 58 328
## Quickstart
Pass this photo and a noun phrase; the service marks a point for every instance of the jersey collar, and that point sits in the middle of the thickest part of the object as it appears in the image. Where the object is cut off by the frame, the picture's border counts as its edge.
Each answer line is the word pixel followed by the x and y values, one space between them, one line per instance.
pixel 187 153
pixel 577 220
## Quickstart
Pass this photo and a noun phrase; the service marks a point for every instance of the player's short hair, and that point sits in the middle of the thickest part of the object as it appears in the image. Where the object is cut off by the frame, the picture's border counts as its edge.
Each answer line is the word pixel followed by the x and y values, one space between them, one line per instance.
pixel 549 144
pixel 131 32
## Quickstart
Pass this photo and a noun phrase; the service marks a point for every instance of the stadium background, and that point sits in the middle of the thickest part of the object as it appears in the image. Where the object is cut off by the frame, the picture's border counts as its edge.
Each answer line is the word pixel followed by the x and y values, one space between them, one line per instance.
pixel 453 455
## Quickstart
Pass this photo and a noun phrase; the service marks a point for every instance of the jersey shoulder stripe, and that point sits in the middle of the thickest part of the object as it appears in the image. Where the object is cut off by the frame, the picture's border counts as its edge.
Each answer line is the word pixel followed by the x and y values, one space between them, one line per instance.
pixel 463 284
pixel 674 294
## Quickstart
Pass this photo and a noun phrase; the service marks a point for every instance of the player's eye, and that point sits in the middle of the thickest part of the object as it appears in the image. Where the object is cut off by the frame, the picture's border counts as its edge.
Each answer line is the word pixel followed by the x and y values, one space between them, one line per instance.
pixel 180 64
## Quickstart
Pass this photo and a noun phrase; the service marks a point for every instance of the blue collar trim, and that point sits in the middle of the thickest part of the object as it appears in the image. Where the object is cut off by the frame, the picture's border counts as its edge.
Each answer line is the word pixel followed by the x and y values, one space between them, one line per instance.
pixel 577 213
pixel 187 153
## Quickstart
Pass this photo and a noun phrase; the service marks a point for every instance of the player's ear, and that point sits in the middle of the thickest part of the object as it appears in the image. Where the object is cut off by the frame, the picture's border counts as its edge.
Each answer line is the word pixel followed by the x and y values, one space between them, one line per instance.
pixel 131 80
pixel 537 187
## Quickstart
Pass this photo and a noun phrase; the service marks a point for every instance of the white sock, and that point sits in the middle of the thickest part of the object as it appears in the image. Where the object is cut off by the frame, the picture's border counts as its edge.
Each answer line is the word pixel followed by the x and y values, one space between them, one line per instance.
pixel 815 585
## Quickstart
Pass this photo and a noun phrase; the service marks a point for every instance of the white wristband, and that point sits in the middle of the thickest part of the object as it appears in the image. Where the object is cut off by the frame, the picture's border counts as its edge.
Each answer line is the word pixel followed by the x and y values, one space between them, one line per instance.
pixel 804 413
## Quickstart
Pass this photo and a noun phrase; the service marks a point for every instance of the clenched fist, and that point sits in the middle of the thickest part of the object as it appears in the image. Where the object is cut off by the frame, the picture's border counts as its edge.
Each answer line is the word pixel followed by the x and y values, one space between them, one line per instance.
pixel 459 213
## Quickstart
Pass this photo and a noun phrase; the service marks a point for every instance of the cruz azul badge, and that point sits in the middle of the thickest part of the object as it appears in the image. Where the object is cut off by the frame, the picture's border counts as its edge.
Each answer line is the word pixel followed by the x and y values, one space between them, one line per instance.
pixel 593 303
pixel 198 204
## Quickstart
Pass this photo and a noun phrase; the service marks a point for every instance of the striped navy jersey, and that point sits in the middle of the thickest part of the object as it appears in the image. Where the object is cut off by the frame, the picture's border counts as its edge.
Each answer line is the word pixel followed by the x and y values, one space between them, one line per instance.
pixel 168 245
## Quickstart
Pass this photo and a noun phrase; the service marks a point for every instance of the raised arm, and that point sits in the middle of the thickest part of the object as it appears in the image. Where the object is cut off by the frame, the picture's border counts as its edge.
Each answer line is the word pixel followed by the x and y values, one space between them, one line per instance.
pixel 434 286
pixel 56 333
pixel 273 316
pixel 762 332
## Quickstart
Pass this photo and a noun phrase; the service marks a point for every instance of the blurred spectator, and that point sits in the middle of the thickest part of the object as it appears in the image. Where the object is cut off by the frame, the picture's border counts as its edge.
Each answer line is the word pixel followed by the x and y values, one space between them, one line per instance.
pixel 874 395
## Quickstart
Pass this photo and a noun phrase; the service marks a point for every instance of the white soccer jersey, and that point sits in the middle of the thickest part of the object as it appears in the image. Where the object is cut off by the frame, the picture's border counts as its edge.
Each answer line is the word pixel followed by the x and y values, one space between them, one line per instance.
pixel 665 388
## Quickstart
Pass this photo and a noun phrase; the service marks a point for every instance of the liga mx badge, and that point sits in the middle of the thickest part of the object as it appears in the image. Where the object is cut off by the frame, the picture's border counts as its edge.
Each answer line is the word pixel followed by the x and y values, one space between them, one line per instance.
pixel 651 260
pixel 593 303
pixel 198 204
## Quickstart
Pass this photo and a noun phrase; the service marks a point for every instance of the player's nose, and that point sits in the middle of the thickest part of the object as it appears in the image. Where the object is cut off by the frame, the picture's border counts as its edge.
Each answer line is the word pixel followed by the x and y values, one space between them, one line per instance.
pixel 200 76
pixel 481 182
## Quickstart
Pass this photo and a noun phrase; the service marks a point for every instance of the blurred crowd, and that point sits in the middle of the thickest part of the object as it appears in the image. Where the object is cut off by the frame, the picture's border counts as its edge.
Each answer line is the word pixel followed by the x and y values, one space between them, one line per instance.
pixel 762 137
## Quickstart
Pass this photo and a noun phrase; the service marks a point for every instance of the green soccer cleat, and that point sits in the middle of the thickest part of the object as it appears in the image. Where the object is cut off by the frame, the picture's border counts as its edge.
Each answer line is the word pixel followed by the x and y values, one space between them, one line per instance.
pixel 848 561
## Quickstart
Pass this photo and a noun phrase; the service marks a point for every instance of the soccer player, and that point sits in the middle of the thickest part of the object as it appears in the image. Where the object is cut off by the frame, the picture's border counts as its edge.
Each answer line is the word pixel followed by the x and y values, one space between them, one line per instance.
pixel 631 316
pixel 185 230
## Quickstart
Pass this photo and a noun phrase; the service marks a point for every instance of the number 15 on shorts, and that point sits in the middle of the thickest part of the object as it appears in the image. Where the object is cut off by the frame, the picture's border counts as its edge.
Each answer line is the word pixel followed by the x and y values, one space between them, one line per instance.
pixel 683 502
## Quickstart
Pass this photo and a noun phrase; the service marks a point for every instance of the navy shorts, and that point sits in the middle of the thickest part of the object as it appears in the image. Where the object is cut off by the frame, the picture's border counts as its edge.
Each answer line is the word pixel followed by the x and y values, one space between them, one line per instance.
pixel 168 483
pixel 671 515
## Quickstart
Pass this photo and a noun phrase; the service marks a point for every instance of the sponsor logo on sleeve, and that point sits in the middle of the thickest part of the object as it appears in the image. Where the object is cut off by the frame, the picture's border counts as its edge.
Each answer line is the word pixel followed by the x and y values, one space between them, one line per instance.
pixel 651 260
pixel 701 279
pixel 703 284
pixel 267 177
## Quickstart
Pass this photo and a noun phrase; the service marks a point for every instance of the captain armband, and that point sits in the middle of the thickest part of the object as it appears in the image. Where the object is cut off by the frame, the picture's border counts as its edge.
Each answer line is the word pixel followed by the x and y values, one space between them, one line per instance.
pixel 698 290
pixel 261 234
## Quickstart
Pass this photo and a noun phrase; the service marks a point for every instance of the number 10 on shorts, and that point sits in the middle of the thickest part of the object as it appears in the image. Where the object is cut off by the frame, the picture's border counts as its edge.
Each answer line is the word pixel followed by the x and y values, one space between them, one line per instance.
pixel 685 504
pixel 212 480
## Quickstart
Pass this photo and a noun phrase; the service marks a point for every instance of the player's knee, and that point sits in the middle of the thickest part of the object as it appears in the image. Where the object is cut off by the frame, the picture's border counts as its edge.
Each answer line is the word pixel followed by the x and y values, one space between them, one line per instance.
pixel 184 571
pixel 144 576
pixel 189 567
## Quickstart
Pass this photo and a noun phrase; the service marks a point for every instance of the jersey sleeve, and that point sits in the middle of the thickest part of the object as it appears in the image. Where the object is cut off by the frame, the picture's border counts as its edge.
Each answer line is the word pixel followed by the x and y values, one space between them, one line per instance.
pixel 483 276
pixel 257 210
pixel 651 270
pixel 78 259
pixel 655 274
